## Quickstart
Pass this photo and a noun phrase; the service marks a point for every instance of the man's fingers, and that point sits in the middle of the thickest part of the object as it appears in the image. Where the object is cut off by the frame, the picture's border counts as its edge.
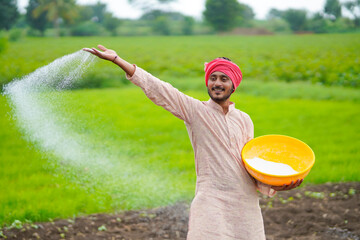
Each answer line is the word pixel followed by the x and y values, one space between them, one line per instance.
pixel 95 50
pixel 290 186
pixel 279 188
pixel 92 50
pixel 299 181
pixel 101 47
pixel 294 184
pixel 88 50
pixel 98 53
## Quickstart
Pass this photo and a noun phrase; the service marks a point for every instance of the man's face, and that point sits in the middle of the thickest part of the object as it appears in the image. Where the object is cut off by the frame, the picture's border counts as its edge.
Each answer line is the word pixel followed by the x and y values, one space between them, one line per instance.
pixel 220 87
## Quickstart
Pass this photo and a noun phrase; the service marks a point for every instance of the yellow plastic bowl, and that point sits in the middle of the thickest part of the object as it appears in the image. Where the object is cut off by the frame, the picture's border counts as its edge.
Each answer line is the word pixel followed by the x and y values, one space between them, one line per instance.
pixel 279 149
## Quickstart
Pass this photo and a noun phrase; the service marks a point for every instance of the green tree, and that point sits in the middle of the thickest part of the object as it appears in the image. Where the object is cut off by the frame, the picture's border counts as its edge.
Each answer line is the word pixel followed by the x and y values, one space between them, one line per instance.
pixel 317 24
pixel 354 8
pixel 274 13
pixel 99 11
pixel 333 9
pixel 277 25
pixel 167 23
pixel 57 10
pixel 153 14
pixel 21 21
pixel 148 5
pixel 221 14
pixel 38 22
pixel 95 13
pixel 296 19
pixel 111 23
pixel 161 25
pixel 88 28
pixel 8 13
pixel 85 13
pixel 246 14
pixel 188 25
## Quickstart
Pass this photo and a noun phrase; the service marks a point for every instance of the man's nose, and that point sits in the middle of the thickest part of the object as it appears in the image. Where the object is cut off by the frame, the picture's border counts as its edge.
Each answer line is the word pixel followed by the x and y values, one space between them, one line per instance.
pixel 218 82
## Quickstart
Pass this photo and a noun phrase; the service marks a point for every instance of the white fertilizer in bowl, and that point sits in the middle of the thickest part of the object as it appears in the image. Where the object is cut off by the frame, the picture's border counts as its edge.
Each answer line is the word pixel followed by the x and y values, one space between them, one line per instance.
pixel 270 167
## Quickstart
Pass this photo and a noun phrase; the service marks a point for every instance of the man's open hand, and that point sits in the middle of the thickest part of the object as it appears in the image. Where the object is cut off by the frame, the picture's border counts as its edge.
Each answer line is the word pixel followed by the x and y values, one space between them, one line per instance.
pixel 105 53
pixel 289 186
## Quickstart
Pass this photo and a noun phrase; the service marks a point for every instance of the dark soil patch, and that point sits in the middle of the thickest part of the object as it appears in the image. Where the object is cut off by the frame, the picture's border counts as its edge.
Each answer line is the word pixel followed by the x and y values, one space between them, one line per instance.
pixel 327 211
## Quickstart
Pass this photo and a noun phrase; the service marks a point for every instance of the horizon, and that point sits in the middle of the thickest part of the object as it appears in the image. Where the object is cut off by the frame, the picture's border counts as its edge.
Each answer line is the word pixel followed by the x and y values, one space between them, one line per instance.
pixel 122 9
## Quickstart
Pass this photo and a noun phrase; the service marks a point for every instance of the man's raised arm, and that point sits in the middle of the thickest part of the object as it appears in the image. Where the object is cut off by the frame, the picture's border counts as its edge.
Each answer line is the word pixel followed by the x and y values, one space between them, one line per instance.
pixel 159 92
pixel 111 55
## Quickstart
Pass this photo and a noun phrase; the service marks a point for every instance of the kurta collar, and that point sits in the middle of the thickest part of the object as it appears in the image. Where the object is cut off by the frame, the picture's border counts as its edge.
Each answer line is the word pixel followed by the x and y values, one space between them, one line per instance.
pixel 217 107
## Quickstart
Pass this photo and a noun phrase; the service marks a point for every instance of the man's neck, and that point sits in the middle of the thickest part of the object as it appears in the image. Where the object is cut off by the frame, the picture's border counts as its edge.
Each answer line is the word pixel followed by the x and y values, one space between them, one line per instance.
pixel 224 104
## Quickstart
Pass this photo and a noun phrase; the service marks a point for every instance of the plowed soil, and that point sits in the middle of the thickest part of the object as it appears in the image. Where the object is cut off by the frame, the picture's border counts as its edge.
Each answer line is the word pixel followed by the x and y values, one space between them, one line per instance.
pixel 327 211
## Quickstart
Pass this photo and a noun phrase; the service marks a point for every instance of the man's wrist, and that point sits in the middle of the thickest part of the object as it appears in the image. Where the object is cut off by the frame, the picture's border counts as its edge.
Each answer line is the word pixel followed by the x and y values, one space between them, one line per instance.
pixel 115 58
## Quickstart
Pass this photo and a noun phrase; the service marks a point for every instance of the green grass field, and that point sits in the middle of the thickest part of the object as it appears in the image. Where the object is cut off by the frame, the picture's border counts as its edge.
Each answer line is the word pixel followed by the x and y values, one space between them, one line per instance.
pixel 327 59
pixel 148 156
pixel 157 142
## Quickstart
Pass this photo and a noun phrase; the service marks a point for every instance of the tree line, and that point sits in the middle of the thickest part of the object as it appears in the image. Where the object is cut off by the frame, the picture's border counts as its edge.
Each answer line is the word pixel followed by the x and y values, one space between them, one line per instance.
pixel 330 19
pixel 66 17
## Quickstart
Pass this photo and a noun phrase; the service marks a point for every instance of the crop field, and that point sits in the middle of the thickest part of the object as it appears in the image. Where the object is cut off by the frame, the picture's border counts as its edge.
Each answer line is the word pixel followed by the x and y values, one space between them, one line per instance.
pixel 146 156
pixel 327 59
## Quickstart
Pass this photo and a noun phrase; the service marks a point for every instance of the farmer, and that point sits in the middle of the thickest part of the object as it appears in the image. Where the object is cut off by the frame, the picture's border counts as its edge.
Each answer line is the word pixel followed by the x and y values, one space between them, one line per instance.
pixel 226 204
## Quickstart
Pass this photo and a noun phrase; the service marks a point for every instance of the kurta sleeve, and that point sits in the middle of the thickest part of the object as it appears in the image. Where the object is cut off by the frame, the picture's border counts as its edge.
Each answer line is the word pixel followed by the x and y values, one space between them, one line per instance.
pixel 164 94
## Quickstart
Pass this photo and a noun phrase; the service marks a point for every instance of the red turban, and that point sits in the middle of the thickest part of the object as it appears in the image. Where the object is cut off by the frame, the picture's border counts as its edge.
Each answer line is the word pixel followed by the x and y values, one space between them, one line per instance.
pixel 227 67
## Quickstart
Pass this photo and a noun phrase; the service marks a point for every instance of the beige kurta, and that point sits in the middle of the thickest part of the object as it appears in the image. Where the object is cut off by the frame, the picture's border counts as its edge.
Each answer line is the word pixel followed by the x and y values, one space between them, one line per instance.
pixel 226 204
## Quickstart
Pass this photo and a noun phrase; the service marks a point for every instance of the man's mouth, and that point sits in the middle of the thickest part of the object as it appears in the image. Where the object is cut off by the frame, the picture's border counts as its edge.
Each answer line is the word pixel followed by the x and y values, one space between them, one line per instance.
pixel 218 90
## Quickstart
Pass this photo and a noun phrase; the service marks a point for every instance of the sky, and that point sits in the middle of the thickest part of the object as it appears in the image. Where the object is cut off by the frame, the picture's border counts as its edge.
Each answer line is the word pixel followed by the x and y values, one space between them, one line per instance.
pixel 194 8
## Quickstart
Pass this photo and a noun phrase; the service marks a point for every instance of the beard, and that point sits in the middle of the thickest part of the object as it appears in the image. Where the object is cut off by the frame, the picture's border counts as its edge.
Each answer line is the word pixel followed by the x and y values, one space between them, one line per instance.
pixel 223 98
